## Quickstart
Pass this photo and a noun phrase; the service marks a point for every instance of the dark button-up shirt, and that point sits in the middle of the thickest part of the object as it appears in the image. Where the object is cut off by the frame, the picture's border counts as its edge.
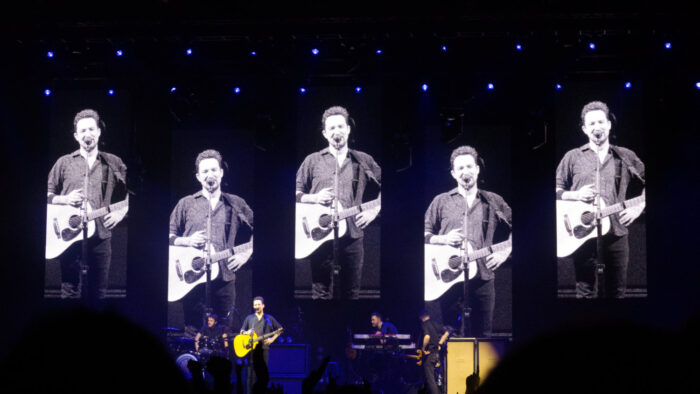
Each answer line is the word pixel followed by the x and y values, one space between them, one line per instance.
pixel 231 211
pixel 68 174
pixel 262 326
pixel 488 213
pixel 618 169
pixel 435 331
pixel 317 172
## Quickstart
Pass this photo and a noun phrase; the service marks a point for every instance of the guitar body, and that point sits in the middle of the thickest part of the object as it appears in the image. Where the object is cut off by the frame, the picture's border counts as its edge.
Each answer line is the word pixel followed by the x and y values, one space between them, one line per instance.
pixel 443 268
pixel 313 227
pixel 186 270
pixel 243 344
pixel 63 228
pixel 576 225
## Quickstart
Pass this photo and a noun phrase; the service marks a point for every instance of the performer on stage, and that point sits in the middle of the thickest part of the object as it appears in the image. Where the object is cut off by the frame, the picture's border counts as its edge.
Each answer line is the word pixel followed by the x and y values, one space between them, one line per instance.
pixel 314 184
pixel 489 220
pixel 382 327
pixel 212 332
pixel 230 215
pixel 434 337
pixel 620 168
pixel 261 323
pixel 66 186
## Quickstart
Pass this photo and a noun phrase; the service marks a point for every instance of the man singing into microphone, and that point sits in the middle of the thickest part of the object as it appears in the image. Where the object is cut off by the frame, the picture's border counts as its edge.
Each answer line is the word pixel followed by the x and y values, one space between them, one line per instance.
pixel 576 178
pixel 488 220
pixel 230 215
pixel 314 185
pixel 66 184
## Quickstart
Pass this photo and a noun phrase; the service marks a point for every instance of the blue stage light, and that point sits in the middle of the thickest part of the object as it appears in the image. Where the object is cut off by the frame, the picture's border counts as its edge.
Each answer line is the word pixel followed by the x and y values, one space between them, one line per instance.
pixel 173 89
pixel 358 89
pixel 697 85
pixel 628 85
pixel 49 54
pixel 444 48
pixel 302 90
pixel 315 51
pixel 424 87
pixel 120 53
pixel 47 92
pixel 518 47
pixel 490 86
pixel 110 92
pixel 667 45
pixel 378 51
pixel 188 51
pixel 557 86
pixel 236 90
pixel 591 45
pixel 253 53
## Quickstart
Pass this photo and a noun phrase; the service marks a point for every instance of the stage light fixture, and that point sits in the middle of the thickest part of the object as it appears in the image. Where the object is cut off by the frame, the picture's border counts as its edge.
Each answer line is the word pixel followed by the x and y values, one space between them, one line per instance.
pixel 557 86
pixel 490 86
pixel 253 53
pixel 173 89
pixel 591 46
pixel 378 51
pixel 667 45
pixel 110 92
pixel 424 87
pixel 444 48
pixel 315 51
pixel 628 85
pixel 49 54
pixel 120 53
pixel 358 89
pixel 697 85
pixel 518 47
pixel 302 90
pixel 47 92
pixel 236 90
pixel 188 51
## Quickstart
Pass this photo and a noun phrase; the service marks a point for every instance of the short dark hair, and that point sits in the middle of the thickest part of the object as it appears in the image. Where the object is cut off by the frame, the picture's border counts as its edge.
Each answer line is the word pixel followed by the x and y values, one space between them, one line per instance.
pixel 213 316
pixel 379 315
pixel 463 150
pixel 423 313
pixel 594 106
pixel 207 154
pixel 258 298
pixel 86 114
pixel 335 110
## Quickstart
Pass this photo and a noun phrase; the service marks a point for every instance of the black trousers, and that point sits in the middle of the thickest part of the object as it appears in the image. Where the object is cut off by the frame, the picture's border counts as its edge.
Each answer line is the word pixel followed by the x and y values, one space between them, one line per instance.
pixel 99 259
pixel 258 354
pixel 482 300
pixel 429 364
pixel 191 307
pixel 616 258
pixel 350 258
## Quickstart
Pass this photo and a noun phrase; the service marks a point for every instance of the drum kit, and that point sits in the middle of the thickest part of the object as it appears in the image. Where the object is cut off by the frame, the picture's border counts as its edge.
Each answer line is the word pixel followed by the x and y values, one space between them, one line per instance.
pixel 182 347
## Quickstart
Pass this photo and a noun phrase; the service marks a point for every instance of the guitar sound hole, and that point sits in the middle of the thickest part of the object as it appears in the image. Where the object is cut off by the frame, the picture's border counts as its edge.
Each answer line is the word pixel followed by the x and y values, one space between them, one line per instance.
pixel 587 218
pixel 324 221
pixel 455 262
pixel 198 264
pixel 74 221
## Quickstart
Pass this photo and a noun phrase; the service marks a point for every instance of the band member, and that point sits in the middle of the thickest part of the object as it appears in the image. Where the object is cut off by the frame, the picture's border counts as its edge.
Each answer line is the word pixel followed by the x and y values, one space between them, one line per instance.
pixel 620 168
pixel 314 184
pixel 260 323
pixel 230 215
pixel 434 337
pixel 382 327
pixel 488 219
pixel 213 334
pixel 106 173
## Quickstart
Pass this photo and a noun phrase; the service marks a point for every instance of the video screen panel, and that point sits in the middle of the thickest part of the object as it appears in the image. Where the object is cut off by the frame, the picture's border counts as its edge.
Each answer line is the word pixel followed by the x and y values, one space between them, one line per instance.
pixel 87 189
pixel 600 182
pixel 338 194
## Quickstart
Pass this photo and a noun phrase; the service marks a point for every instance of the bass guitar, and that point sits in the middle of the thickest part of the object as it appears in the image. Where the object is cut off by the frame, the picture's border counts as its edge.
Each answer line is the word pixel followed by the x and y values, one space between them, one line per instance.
pixel 576 222
pixel 64 225
pixel 244 343
pixel 444 266
pixel 186 267
pixel 314 225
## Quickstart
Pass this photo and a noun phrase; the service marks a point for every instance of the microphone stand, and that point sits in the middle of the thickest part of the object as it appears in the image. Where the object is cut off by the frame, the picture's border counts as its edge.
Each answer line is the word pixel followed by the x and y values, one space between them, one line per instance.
pixel 207 266
pixel 599 265
pixel 465 329
pixel 335 267
pixel 84 266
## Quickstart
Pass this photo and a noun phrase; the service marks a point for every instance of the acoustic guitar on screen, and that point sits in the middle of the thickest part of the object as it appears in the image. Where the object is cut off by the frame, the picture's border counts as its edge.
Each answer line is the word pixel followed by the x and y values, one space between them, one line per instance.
pixel 314 224
pixel 64 225
pixel 186 267
pixel 576 222
pixel 244 343
pixel 444 265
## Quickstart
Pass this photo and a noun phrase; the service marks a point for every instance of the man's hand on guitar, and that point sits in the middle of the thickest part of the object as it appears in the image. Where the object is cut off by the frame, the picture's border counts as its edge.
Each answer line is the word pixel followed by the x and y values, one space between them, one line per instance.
pixel 324 197
pixel 453 238
pixel 113 218
pixel 364 218
pixel 586 193
pixel 268 341
pixel 494 260
pixel 629 215
pixel 238 259
pixel 196 240
pixel 74 198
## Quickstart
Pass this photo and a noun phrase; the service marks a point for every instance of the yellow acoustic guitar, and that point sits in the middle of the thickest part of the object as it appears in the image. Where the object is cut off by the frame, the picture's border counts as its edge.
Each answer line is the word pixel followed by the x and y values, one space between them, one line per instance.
pixel 243 343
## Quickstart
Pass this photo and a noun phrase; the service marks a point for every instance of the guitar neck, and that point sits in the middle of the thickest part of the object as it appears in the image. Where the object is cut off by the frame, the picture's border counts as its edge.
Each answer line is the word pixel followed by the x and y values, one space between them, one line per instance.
pixel 483 252
pixel 615 208
pixel 265 336
pixel 97 213
pixel 355 210
pixel 224 254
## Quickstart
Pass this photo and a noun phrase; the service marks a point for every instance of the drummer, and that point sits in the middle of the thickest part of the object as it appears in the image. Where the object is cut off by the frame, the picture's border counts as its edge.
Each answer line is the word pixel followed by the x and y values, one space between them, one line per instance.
pixel 212 333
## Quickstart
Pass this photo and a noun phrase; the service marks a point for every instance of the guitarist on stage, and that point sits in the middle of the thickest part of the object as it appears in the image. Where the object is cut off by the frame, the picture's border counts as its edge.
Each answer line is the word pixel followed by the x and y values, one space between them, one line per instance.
pixel 314 185
pixel 260 323
pixel 575 181
pixel 106 174
pixel 188 226
pixel 488 218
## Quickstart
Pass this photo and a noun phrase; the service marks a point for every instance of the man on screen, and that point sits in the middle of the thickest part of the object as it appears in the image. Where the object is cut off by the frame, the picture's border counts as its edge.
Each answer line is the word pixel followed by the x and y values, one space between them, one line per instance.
pixel 66 186
pixel 575 181
pixel 488 219
pixel 314 185
pixel 188 227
